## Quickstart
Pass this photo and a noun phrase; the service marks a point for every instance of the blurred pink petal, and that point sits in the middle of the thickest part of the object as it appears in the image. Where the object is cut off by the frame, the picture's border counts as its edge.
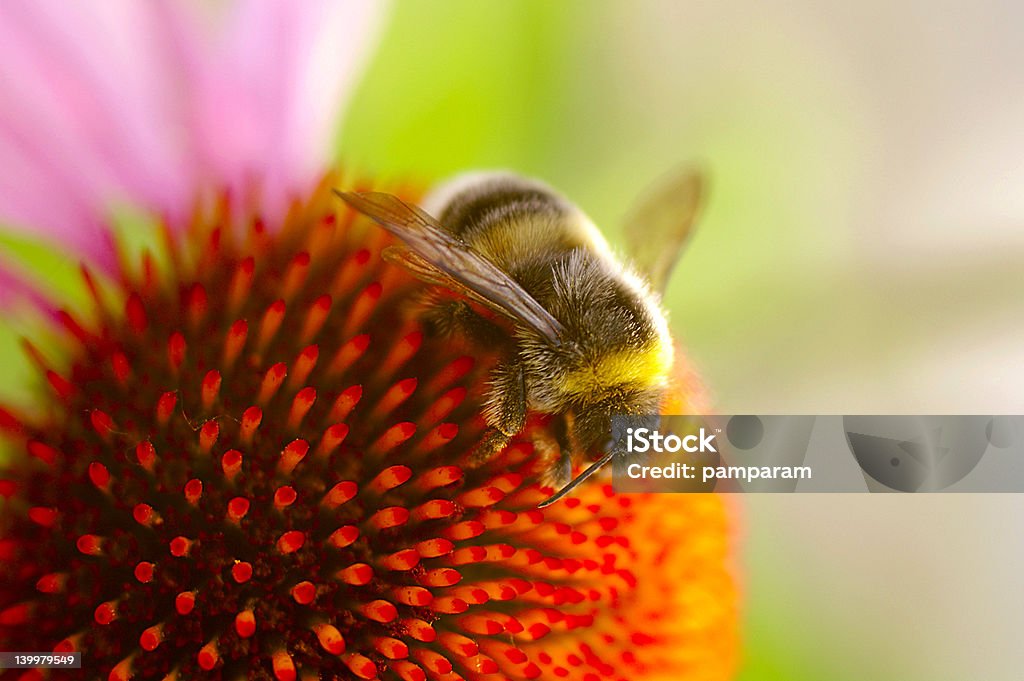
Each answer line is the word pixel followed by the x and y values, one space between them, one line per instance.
pixel 151 103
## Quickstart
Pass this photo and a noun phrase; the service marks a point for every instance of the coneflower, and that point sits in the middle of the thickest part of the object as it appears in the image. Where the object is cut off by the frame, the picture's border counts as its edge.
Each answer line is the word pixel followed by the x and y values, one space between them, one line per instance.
pixel 252 465
pixel 245 459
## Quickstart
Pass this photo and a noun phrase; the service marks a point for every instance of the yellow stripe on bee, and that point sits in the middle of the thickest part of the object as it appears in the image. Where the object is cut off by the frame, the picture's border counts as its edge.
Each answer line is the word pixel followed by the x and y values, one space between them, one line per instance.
pixel 635 367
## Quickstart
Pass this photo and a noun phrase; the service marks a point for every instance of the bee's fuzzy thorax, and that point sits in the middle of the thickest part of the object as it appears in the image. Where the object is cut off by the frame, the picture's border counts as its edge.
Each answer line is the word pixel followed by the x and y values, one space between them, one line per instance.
pixel 625 370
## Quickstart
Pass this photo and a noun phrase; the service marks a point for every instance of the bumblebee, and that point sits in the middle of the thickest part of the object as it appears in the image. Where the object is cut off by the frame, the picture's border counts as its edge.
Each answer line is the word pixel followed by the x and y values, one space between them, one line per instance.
pixel 589 338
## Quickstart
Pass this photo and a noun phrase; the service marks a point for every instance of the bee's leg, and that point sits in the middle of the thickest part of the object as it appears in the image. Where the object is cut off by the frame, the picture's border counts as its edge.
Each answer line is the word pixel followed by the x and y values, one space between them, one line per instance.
pixel 555 454
pixel 493 442
pixel 505 410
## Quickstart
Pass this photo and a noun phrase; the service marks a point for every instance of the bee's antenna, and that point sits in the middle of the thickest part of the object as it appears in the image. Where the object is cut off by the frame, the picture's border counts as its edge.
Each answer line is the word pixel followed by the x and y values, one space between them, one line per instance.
pixel 594 467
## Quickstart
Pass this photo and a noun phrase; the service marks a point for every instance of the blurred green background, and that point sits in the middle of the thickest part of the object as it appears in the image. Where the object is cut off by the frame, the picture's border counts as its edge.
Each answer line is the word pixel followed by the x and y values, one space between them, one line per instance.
pixel 861 252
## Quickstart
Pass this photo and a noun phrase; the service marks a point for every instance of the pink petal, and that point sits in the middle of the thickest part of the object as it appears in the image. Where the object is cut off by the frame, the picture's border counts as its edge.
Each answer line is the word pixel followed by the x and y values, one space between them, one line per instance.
pixel 269 90
pixel 152 102
pixel 91 122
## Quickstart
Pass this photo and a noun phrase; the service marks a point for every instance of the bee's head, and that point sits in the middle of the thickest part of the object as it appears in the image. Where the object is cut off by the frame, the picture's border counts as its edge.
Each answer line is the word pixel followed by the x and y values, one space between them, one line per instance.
pixel 591 422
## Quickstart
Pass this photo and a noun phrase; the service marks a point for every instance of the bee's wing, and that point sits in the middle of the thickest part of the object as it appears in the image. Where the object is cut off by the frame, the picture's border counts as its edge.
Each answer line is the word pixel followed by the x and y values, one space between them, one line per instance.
pixel 661 222
pixel 424 271
pixel 439 258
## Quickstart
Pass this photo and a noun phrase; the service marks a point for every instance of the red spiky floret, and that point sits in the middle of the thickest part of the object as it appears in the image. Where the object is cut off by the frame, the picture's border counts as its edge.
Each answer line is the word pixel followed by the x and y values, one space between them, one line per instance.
pixel 252 466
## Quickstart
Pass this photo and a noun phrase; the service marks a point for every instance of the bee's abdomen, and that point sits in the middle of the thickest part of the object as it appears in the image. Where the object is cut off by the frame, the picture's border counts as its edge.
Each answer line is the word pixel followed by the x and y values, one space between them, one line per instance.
pixel 480 203
pixel 516 222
